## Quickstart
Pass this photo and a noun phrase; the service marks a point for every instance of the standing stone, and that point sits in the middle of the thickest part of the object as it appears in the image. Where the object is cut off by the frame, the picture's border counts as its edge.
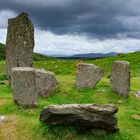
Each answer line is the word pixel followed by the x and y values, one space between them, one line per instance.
pixel 120 78
pixel 23 86
pixel 45 82
pixel 19 43
pixel 88 75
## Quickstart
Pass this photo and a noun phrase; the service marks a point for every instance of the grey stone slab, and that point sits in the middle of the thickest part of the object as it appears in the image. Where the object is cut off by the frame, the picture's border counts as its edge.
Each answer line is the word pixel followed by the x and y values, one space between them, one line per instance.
pixel 120 78
pixel 23 86
pixel 88 75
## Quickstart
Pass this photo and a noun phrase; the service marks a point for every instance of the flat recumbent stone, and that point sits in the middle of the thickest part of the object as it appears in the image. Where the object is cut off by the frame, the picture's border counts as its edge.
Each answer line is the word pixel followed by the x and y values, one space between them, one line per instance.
pixel 87 116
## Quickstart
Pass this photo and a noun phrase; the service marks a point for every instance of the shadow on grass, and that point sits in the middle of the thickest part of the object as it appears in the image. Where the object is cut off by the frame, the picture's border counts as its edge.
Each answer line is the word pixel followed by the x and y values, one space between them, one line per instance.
pixel 62 132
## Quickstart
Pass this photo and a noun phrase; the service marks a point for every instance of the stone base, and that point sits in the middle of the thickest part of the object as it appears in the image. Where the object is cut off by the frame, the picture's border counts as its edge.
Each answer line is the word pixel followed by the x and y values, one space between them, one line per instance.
pixel 23 86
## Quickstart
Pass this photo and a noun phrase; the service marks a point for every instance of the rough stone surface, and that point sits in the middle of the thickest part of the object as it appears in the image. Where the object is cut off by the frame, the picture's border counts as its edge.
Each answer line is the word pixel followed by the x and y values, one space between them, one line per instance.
pixel 45 82
pixel 23 85
pixel 86 116
pixel 88 75
pixel 19 43
pixel 120 78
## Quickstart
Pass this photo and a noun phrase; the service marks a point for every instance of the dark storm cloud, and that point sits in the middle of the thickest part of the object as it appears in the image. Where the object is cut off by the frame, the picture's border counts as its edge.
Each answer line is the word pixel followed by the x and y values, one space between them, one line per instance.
pixel 98 18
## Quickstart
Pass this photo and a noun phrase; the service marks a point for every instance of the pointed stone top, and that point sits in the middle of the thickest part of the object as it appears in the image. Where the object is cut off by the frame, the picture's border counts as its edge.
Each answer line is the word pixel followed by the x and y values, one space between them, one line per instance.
pixel 21 17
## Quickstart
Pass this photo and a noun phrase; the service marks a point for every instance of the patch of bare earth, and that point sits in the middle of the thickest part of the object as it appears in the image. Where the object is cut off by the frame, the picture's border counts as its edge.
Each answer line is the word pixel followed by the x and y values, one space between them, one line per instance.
pixel 8 129
pixel 2 102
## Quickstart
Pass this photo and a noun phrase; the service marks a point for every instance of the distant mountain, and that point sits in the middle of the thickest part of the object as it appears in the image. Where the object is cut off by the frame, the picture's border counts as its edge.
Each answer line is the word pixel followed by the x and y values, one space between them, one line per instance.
pixel 95 55
pixel 88 55
pixel 58 55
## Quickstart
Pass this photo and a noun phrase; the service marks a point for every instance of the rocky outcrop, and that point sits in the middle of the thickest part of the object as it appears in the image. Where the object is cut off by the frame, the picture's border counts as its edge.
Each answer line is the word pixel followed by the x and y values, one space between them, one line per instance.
pixel 120 78
pixel 19 43
pixel 88 75
pixel 46 82
pixel 81 116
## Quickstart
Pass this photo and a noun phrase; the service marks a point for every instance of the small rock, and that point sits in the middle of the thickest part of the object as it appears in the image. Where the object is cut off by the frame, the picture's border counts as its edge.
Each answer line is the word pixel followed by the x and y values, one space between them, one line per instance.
pixel 3 119
pixel 101 90
pixel 136 117
pixel 137 94
pixel 120 101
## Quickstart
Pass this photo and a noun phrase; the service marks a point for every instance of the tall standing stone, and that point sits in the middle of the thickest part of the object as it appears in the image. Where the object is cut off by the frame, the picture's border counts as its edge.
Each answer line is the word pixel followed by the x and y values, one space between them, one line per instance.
pixel 120 78
pixel 23 86
pixel 19 43
pixel 88 75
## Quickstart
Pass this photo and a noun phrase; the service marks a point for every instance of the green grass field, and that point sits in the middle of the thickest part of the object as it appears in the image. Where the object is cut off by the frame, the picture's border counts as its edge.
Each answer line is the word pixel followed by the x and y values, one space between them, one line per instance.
pixel 23 124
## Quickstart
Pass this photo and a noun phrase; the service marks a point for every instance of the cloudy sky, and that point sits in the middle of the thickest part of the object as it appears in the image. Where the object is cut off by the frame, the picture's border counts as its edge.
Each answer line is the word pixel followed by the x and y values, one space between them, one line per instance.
pixel 78 26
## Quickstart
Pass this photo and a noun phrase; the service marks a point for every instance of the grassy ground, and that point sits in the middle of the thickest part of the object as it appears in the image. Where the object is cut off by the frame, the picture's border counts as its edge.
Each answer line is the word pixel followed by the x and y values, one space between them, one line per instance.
pixel 24 123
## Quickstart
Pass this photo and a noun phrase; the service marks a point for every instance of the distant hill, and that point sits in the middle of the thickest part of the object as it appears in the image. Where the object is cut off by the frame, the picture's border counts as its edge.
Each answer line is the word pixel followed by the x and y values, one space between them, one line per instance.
pixel 40 57
pixel 37 57
pixel 95 55
pixel 88 55
pixel 2 51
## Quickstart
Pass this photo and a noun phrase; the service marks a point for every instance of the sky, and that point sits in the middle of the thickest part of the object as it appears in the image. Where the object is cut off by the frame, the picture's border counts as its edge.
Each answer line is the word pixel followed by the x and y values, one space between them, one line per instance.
pixel 69 27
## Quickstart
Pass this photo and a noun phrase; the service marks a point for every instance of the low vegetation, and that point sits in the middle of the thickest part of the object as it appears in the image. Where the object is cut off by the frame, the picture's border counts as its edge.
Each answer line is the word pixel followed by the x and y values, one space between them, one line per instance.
pixel 2 52
pixel 24 123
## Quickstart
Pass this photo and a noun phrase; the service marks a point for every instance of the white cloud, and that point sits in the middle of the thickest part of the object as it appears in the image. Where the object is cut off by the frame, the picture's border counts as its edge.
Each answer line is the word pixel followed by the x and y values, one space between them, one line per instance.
pixel 49 43
pixel 3 32
pixel 4 16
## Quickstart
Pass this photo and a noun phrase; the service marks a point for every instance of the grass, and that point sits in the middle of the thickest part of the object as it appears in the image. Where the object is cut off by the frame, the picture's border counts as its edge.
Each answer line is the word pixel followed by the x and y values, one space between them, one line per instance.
pixel 24 123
